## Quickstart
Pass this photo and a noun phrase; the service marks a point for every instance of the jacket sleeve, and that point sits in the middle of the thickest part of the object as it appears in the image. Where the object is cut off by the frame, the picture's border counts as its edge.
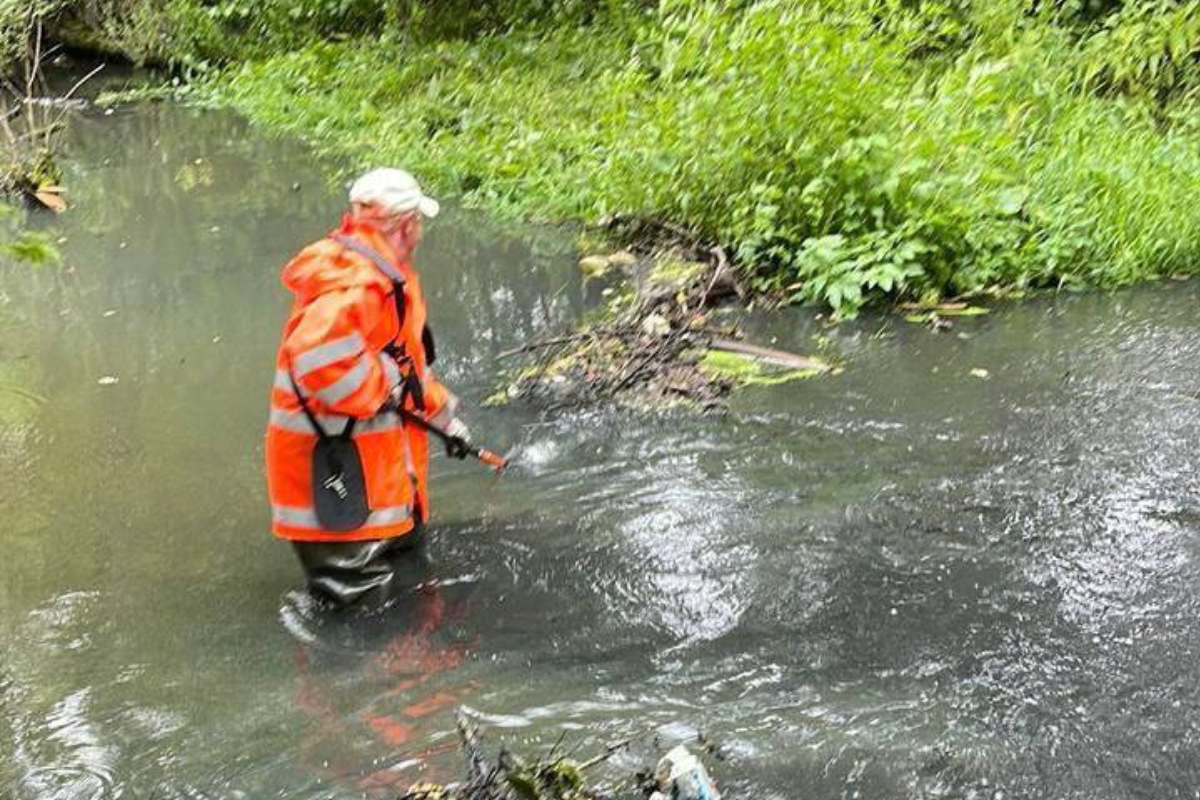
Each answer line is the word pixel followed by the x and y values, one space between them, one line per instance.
pixel 441 405
pixel 329 357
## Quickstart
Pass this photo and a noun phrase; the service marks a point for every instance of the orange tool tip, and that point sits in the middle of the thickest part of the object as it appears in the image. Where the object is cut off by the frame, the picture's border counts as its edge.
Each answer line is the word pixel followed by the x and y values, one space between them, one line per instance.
pixel 494 460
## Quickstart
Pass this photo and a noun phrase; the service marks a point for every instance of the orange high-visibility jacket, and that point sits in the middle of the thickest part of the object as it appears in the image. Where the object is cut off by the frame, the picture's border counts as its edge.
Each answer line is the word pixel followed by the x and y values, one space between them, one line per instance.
pixel 342 319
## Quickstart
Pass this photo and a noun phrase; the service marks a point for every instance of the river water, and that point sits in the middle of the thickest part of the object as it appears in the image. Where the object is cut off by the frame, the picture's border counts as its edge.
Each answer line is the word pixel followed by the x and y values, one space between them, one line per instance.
pixel 906 581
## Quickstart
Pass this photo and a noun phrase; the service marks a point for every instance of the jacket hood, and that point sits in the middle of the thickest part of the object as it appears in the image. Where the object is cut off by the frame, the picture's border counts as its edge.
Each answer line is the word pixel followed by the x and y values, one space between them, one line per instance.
pixel 323 267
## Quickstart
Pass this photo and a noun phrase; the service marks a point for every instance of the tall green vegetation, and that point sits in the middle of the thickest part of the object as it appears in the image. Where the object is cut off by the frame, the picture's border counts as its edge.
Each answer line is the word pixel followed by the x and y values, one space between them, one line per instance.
pixel 843 150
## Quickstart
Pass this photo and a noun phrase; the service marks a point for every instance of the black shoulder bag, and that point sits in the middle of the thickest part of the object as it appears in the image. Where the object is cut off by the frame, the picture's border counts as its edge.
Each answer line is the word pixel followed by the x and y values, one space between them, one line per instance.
pixel 339 487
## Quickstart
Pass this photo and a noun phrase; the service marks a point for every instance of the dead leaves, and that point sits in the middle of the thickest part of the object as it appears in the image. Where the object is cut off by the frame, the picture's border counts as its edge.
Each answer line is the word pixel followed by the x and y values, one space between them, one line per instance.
pixel 51 196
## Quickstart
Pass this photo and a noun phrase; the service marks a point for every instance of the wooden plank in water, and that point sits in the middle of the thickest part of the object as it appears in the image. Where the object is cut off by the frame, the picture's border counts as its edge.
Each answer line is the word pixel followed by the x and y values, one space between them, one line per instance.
pixel 780 357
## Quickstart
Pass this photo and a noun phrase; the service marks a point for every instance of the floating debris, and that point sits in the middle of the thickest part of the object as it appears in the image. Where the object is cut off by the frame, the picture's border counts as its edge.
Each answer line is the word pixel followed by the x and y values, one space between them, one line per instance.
pixel 653 343
pixel 108 380
pixel 680 776
pixel 949 309
pixel 51 196
pixel 936 315
pixel 510 777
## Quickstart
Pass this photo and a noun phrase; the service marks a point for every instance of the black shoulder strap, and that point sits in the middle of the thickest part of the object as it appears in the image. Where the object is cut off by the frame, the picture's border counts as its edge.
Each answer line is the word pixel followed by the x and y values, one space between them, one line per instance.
pixel 429 344
pixel 385 266
pixel 347 431
pixel 393 274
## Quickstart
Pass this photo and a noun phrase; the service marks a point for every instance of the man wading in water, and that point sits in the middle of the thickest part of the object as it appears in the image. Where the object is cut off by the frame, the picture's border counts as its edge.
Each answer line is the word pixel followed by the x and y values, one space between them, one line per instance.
pixel 346 472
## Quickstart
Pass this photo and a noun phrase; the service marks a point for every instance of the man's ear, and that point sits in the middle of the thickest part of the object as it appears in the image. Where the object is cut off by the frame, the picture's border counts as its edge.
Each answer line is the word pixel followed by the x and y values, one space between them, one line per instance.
pixel 411 225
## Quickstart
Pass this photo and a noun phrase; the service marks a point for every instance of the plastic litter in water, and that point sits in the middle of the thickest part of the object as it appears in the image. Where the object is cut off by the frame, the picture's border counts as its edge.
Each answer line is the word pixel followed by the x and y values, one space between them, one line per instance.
pixel 681 776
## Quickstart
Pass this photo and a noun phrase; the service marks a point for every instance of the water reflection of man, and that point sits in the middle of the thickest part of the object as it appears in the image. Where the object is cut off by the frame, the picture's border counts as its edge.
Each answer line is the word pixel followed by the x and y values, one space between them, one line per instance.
pixel 375 688
pixel 346 474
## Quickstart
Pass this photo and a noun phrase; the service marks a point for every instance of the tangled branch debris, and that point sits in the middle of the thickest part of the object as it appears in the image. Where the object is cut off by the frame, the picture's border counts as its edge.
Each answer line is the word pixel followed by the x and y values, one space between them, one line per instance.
pixel 551 777
pixel 32 120
pixel 655 342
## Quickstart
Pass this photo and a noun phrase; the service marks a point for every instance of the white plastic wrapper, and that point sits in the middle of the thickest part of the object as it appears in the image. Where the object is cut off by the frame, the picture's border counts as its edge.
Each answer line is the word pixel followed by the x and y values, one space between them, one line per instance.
pixel 681 776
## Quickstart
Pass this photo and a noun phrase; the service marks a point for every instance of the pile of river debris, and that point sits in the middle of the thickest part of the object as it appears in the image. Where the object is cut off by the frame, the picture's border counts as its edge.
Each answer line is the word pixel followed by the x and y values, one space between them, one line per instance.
pixel 655 341
pixel 678 776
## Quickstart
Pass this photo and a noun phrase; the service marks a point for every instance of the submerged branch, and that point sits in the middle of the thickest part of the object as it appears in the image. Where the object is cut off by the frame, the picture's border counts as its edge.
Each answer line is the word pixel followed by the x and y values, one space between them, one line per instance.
pixel 526 348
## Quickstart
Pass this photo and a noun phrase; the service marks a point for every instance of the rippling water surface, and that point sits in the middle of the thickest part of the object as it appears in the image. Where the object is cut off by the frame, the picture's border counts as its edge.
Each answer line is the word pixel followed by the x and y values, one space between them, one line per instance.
pixel 901 582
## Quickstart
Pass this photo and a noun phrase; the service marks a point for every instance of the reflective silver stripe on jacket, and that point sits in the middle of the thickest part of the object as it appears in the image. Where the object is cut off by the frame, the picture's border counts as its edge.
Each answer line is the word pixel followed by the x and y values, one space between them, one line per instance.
pixel 349 383
pixel 328 353
pixel 333 424
pixel 284 383
pixel 297 517
pixel 446 414
pixel 384 265
pixel 392 371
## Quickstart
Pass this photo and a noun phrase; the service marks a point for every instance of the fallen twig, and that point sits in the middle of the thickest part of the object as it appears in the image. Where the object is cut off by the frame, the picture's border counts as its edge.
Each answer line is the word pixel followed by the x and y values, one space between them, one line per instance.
pixel 527 348
pixel 608 753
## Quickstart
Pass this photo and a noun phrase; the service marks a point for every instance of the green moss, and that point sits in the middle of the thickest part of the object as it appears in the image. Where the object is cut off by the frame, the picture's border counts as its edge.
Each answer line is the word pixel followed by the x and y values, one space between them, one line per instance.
pixel 672 272
pixel 594 266
pixel 744 370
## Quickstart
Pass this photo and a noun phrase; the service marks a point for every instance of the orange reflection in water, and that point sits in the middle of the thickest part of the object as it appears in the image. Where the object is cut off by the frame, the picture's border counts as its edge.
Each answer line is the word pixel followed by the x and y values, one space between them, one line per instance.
pixel 409 681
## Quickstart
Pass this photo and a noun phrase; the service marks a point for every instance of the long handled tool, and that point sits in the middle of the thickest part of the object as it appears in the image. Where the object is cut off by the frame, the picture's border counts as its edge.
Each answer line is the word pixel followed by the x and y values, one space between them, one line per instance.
pixel 456 446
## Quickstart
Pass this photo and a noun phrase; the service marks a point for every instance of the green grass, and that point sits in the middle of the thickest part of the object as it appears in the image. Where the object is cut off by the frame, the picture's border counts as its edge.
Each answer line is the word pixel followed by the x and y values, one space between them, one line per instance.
pixel 844 152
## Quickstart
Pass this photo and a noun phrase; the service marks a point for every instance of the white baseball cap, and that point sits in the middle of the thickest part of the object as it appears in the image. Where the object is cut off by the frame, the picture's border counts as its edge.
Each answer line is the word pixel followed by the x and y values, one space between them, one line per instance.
pixel 394 191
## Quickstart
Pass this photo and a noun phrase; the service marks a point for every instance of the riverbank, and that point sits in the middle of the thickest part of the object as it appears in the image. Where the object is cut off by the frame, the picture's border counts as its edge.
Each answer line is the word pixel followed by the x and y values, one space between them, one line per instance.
pixel 840 154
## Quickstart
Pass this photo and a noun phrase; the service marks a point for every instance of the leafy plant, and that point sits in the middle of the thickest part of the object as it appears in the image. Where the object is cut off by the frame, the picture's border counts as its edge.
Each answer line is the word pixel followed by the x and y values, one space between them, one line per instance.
pixel 843 152
pixel 1150 48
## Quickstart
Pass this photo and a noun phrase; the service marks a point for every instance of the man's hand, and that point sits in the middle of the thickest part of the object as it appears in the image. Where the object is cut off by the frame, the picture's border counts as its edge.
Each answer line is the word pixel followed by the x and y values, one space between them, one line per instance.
pixel 458 442
pixel 459 430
